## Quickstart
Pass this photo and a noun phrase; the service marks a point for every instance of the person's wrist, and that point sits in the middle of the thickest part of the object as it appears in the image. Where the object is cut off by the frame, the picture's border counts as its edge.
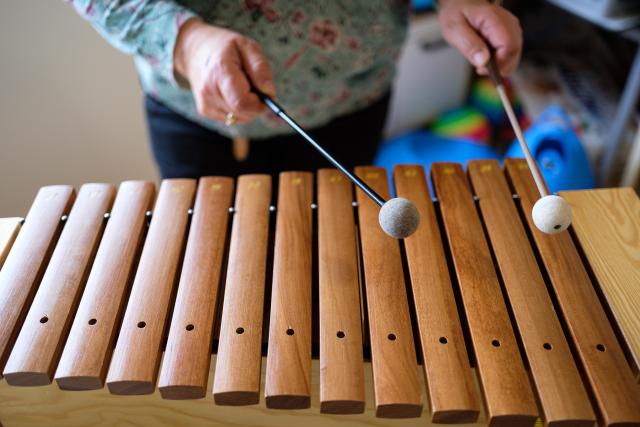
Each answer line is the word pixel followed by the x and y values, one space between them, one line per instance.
pixel 186 43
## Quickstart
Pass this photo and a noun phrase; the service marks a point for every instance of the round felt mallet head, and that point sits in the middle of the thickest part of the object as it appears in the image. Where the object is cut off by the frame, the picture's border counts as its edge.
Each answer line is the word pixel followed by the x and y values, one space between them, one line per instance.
pixel 551 214
pixel 399 218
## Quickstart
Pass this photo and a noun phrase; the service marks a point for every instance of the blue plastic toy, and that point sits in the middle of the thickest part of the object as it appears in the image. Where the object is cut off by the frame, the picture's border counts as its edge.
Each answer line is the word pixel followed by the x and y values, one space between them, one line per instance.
pixel 552 141
pixel 555 146
pixel 422 147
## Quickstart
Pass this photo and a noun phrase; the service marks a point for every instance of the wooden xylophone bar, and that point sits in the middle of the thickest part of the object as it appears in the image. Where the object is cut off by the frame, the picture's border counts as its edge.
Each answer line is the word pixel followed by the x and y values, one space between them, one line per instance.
pixel 240 341
pixel 96 304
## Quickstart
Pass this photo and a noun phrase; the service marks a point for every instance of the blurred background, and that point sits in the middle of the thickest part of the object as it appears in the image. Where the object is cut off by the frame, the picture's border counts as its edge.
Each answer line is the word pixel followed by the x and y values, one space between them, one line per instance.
pixel 71 107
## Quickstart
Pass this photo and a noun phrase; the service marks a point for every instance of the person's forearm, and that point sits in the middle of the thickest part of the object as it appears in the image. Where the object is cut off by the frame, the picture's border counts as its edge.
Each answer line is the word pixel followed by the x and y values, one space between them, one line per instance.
pixel 147 29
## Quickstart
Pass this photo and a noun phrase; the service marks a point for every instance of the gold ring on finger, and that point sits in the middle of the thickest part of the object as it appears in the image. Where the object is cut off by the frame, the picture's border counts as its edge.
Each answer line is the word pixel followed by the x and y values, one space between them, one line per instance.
pixel 230 119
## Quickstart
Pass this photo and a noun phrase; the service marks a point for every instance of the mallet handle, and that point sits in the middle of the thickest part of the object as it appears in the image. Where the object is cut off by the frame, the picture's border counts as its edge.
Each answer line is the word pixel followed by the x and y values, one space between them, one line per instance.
pixel 496 78
pixel 278 111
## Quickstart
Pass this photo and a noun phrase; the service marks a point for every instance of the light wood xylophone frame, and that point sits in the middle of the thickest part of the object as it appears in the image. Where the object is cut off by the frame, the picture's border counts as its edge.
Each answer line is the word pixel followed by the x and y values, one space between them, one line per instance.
pixel 473 258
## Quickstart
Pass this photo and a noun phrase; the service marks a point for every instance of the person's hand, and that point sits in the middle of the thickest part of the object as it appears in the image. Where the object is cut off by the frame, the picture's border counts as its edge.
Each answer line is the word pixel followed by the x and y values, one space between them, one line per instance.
pixel 469 25
pixel 220 66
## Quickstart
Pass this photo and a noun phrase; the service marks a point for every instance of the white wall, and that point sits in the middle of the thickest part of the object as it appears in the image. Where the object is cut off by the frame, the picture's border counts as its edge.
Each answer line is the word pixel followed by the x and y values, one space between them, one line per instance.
pixel 70 105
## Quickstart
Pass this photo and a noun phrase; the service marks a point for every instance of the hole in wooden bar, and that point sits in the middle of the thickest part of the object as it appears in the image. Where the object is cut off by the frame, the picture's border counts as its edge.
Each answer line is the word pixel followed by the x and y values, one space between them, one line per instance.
pixel 495 343
pixel 44 319
pixel 392 337
pixel 547 346
pixel 443 340
pixel 92 321
pixel 240 331
pixel 190 327
pixel 340 334
pixel 290 331
pixel 142 324
pixel 600 347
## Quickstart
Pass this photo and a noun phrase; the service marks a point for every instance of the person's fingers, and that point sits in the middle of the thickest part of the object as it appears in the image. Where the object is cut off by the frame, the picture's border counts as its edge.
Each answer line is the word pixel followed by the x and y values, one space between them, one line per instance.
pixel 220 114
pixel 209 103
pixel 458 33
pixel 510 59
pixel 256 66
pixel 509 64
pixel 238 97
pixel 235 88
pixel 214 113
pixel 221 73
pixel 501 30
pixel 514 47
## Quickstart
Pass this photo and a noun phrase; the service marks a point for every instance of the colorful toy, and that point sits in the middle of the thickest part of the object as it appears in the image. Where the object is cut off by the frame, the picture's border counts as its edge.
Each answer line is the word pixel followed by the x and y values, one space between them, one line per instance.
pixel 484 97
pixel 555 146
pixel 463 123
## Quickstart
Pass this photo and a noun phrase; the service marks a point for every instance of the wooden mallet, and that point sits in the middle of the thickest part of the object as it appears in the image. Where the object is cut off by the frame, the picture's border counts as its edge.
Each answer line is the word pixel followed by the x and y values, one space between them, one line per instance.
pixel 551 214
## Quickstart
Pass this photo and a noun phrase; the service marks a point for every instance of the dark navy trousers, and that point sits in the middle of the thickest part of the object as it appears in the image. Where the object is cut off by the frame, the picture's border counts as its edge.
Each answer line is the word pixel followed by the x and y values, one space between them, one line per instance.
pixel 185 149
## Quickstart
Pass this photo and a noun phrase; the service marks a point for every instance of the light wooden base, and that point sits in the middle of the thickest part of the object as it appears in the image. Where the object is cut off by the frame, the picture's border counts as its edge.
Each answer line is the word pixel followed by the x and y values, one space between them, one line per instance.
pixel 49 406
pixel 607 225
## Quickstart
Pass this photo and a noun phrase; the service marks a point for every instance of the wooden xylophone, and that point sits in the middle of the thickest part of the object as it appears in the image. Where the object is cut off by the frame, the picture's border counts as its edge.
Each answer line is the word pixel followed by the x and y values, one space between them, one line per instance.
pixel 508 324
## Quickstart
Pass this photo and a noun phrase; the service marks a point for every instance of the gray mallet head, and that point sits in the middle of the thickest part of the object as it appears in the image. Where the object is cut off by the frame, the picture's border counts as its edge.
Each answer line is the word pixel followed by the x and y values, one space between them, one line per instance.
pixel 551 214
pixel 399 218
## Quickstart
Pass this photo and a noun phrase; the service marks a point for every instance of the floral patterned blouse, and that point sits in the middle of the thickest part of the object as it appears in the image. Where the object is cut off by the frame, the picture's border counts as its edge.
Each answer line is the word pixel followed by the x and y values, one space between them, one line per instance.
pixel 329 57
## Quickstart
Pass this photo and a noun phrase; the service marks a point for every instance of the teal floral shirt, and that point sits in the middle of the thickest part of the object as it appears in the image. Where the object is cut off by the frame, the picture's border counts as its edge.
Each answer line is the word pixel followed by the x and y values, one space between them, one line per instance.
pixel 329 57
